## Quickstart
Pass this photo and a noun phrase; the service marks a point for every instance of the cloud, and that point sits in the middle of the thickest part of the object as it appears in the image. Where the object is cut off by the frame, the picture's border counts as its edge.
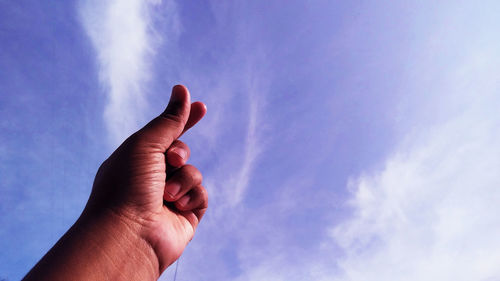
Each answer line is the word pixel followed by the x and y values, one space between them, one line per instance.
pixel 124 38
pixel 252 147
pixel 431 213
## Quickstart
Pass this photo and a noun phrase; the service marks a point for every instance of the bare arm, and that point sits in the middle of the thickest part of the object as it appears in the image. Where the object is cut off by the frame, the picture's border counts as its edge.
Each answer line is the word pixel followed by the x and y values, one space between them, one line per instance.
pixel 127 231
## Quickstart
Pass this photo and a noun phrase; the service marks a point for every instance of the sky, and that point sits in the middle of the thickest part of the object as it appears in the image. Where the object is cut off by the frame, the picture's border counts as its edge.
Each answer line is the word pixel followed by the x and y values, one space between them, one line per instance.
pixel 344 140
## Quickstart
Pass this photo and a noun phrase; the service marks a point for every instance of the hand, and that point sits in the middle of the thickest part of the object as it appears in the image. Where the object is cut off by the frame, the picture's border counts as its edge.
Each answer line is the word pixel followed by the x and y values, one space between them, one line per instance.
pixel 146 183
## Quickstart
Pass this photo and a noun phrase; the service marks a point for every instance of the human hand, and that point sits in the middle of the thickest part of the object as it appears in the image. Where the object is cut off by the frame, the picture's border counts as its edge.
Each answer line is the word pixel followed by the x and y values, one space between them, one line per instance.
pixel 146 183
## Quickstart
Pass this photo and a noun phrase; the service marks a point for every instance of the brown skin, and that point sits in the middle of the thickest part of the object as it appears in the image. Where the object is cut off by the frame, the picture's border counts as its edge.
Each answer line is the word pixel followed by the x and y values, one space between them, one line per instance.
pixel 133 226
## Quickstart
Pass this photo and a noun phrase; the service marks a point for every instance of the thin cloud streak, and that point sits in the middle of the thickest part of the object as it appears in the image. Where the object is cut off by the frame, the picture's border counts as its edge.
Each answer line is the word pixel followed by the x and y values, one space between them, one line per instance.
pixel 252 152
pixel 124 40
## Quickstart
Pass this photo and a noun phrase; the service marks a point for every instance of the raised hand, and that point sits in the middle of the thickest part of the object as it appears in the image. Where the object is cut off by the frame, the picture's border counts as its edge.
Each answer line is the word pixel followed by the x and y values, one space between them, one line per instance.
pixel 144 208
pixel 146 180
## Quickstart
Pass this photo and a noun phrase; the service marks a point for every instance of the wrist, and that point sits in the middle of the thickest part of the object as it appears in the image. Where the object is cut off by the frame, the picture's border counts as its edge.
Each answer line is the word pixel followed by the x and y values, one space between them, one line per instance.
pixel 99 246
pixel 118 241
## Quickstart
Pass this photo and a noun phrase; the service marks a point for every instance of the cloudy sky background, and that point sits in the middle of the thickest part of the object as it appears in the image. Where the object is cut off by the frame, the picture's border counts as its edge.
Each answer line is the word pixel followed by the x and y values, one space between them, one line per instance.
pixel 343 140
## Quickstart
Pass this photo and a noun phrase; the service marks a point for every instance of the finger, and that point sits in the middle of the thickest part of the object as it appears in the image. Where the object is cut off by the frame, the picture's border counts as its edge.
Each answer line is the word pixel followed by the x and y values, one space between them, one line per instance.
pixel 195 199
pixel 193 204
pixel 198 110
pixel 177 154
pixel 164 129
pixel 181 182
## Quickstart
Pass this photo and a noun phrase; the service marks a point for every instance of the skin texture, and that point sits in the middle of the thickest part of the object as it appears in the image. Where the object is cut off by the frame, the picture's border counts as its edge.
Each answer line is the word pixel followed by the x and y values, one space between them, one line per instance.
pixel 144 208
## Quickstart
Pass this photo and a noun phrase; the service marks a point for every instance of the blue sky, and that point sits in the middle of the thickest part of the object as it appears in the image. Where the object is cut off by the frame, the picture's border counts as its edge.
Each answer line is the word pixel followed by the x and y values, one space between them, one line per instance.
pixel 344 140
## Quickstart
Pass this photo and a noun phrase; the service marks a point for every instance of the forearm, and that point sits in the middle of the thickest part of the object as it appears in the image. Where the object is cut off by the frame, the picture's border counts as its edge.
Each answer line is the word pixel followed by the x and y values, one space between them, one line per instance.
pixel 126 231
pixel 99 247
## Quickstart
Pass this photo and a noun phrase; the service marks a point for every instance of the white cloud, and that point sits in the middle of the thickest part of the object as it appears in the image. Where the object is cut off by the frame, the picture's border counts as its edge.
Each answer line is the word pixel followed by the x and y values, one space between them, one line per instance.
pixel 252 150
pixel 125 41
pixel 432 212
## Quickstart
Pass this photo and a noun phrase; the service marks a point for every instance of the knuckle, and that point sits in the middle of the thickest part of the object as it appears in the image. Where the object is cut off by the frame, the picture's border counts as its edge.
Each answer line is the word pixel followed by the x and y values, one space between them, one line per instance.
pixel 203 193
pixel 202 197
pixel 193 173
pixel 145 139
pixel 175 118
pixel 178 143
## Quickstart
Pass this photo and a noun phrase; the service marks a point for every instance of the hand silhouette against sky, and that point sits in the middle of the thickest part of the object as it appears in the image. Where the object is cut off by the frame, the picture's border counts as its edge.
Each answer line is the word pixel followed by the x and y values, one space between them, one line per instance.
pixel 144 208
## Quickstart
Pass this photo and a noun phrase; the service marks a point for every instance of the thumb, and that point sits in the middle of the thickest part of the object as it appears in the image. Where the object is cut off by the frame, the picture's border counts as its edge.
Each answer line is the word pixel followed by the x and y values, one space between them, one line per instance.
pixel 164 129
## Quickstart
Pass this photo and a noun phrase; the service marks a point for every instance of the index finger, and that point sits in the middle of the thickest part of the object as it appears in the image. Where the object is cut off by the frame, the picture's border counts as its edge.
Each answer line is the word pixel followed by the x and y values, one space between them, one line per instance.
pixel 198 110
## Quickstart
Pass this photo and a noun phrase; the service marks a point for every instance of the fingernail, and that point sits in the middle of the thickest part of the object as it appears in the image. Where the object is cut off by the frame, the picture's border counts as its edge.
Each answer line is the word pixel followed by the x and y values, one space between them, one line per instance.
pixel 179 151
pixel 176 93
pixel 184 200
pixel 177 99
pixel 173 188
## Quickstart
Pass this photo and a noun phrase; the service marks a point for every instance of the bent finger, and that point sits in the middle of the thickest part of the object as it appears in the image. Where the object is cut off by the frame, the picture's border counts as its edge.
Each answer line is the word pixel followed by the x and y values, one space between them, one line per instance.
pixel 177 154
pixel 196 198
pixel 182 181
pixel 193 204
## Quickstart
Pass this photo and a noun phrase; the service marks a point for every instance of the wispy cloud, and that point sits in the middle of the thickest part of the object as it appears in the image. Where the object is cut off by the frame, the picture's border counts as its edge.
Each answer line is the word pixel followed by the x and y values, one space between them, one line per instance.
pixel 125 41
pixel 252 146
pixel 432 212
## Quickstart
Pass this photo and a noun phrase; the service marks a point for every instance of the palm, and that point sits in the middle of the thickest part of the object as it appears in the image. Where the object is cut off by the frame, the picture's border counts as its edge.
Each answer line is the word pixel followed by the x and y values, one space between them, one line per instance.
pixel 178 230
